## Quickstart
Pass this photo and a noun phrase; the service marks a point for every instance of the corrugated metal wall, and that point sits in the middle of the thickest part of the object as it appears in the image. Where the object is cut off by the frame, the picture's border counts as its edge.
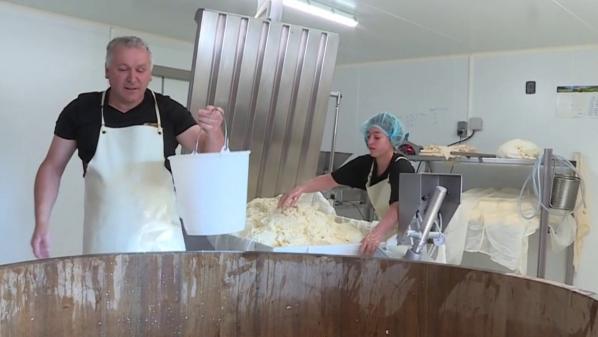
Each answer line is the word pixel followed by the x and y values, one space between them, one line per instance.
pixel 273 81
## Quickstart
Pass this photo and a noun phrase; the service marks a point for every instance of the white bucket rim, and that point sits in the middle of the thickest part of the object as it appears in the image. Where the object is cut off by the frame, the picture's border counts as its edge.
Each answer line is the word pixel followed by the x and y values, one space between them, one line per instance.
pixel 184 156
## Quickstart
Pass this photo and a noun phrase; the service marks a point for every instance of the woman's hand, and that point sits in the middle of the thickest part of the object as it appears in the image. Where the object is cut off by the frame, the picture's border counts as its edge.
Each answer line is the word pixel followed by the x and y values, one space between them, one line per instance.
pixel 379 233
pixel 371 241
pixel 290 198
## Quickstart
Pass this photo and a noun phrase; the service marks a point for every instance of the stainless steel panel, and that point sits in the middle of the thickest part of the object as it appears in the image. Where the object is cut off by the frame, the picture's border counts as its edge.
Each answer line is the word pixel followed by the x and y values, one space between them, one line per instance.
pixel 264 115
pixel 273 79
pixel 417 188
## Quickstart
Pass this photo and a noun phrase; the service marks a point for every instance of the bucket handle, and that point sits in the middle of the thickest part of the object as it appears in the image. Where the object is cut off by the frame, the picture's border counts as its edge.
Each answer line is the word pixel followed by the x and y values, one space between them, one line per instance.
pixel 225 146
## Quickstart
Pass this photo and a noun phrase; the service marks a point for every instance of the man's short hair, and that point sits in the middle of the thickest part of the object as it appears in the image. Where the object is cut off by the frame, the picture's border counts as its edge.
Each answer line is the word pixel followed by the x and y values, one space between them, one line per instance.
pixel 129 42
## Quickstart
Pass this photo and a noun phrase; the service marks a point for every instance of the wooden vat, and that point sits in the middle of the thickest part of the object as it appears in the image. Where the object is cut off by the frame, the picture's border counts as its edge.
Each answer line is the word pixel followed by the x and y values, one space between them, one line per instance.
pixel 267 294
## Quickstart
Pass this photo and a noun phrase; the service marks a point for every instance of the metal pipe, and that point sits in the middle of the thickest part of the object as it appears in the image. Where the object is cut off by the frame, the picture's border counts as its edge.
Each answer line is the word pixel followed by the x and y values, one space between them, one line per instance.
pixel 414 253
pixel 545 198
pixel 431 215
pixel 338 96
pixel 570 271
pixel 269 10
pixel 262 8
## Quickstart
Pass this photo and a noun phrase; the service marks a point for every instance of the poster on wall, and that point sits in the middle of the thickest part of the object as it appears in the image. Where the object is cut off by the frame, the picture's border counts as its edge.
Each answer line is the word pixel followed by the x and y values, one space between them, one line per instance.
pixel 577 101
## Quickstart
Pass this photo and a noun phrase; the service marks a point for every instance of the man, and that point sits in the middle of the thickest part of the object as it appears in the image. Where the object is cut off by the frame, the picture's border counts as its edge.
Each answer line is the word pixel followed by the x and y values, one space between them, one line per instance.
pixel 123 136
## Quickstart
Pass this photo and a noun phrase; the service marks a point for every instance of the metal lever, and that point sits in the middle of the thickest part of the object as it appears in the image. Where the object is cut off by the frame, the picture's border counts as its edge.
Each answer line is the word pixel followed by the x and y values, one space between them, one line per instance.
pixel 414 253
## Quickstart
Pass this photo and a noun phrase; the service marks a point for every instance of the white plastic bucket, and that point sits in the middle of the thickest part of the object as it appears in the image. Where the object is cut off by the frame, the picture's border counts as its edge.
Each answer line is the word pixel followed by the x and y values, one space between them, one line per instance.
pixel 211 191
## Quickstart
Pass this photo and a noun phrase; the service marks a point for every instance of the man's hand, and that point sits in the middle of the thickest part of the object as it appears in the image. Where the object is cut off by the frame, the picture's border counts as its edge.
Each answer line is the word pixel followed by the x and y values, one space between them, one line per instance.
pixel 207 135
pixel 40 242
pixel 210 119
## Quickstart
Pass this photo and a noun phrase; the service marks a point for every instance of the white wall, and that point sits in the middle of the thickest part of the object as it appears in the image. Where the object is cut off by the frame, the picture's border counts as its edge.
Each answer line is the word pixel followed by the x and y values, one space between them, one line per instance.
pixel 45 61
pixel 427 94
pixel 431 95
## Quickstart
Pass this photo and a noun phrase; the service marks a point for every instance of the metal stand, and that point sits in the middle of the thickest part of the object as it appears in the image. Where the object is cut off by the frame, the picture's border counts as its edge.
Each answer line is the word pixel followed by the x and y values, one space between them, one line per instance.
pixel 545 198
pixel 425 196
pixel 338 96
pixel 545 194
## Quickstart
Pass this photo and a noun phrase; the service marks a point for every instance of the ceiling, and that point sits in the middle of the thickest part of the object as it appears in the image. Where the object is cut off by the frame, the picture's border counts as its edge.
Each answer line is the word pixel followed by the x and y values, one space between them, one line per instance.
pixel 388 29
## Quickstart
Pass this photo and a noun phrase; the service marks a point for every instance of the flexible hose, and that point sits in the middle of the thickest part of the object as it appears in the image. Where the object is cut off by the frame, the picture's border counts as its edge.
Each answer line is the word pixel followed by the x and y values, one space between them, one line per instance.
pixel 538 186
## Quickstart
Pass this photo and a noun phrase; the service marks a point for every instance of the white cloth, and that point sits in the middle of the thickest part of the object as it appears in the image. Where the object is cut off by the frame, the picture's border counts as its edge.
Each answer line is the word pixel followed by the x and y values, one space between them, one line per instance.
pixel 562 230
pixel 488 221
pixel 582 213
pixel 129 195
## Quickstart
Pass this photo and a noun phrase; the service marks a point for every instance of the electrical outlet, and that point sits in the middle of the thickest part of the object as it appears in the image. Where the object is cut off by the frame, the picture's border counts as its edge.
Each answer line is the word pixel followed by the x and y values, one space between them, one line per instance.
pixel 530 87
pixel 461 128
pixel 475 124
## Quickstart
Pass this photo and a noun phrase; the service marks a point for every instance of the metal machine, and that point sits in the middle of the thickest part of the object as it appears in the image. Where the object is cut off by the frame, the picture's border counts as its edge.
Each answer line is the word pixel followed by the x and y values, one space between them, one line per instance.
pixel 428 202
pixel 409 148
pixel 273 79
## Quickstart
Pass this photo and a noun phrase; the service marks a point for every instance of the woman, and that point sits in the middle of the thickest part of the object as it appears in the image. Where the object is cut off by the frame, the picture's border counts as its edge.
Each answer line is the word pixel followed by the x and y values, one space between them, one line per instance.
pixel 377 172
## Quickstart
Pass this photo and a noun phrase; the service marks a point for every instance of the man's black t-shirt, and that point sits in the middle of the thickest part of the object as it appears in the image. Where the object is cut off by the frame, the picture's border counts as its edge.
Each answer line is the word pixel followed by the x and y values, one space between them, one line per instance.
pixel 355 173
pixel 81 120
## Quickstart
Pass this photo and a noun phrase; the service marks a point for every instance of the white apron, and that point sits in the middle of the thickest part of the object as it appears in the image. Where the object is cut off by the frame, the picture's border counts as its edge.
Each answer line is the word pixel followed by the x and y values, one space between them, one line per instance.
pixel 129 194
pixel 379 193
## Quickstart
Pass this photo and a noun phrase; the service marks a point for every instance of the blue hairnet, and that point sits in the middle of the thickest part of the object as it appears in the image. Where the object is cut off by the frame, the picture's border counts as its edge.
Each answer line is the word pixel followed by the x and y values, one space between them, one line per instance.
pixel 387 123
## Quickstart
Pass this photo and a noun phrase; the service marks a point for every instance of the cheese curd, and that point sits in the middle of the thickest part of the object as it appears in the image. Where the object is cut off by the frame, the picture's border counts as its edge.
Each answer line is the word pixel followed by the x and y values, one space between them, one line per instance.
pixel 302 225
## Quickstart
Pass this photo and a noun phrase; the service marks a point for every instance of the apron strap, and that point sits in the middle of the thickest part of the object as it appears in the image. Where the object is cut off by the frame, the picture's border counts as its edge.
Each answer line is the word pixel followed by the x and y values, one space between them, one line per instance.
pixel 157 113
pixel 372 169
pixel 103 128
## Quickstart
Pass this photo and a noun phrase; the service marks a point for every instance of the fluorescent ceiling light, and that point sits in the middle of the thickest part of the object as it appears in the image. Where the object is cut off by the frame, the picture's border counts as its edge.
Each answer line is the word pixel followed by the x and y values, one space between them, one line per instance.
pixel 323 11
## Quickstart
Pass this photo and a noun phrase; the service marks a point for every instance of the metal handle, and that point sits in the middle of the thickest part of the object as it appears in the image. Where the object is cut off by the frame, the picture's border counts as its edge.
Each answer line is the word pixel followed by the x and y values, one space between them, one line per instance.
pixel 414 253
